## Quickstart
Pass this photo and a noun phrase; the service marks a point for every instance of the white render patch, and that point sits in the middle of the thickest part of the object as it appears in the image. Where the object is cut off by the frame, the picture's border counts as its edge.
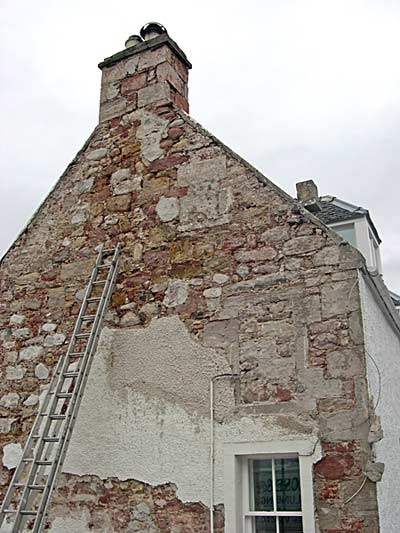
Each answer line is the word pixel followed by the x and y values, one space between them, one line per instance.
pixel 147 397
pixel 167 208
pixel 149 133
pixel 176 294
pixel 12 454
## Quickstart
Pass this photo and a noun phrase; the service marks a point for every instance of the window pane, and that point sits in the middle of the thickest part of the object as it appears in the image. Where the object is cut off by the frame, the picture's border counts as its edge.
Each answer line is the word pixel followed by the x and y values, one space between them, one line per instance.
pixel 290 524
pixel 347 232
pixel 261 482
pixel 264 524
pixel 287 477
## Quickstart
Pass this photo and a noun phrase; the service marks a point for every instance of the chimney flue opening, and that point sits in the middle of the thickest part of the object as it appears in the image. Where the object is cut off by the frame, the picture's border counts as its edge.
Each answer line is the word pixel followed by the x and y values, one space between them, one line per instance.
pixel 151 30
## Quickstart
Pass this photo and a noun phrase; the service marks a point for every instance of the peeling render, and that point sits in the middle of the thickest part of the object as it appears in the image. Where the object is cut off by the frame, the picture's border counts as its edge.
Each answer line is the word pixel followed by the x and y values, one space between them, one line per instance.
pixel 150 386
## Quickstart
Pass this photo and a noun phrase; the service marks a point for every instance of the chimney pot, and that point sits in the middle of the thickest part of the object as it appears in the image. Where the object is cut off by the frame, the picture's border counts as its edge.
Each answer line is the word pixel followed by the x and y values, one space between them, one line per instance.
pixel 151 30
pixel 307 194
pixel 133 40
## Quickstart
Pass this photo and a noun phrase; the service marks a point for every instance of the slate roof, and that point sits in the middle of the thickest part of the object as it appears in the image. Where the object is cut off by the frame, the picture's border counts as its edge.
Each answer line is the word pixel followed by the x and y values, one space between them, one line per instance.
pixel 335 210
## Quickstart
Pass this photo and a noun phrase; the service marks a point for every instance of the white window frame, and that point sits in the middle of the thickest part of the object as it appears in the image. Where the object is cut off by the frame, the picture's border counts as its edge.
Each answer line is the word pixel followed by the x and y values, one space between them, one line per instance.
pixel 236 457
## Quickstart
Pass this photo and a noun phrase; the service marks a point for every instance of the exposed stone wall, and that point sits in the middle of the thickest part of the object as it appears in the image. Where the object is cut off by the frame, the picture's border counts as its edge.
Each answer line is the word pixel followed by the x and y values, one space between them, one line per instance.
pixel 252 277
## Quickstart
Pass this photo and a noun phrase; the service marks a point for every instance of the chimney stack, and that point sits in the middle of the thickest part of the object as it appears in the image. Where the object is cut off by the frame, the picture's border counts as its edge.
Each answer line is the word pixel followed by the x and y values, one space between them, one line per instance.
pixel 307 194
pixel 151 72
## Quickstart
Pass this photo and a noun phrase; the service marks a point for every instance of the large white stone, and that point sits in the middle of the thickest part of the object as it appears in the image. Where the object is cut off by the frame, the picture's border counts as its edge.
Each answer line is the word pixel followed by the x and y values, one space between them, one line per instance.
pixel 17 320
pixel 122 182
pixel 15 372
pixel 22 333
pixel 6 424
pixel 221 279
pixel 84 186
pixel 167 208
pixel 176 294
pixel 41 371
pixel 12 454
pixel 54 340
pixel 213 292
pixel 31 352
pixel 10 400
pixel 49 327
pixel 32 399
pixel 96 155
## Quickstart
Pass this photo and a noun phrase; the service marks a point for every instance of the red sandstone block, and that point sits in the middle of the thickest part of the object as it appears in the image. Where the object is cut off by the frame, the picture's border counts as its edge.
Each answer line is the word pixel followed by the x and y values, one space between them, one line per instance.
pixel 282 395
pixel 175 133
pixel 168 162
pixel 181 69
pixel 181 102
pixel 133 83
pixel 165 72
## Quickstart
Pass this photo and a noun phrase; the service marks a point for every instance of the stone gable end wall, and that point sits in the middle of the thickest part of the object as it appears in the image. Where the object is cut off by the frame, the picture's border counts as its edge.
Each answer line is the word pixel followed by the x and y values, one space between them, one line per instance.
pixel 253 279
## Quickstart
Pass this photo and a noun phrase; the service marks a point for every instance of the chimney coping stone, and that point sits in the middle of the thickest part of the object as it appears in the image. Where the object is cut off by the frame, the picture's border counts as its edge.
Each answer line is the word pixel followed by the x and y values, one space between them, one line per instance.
pixel 157 42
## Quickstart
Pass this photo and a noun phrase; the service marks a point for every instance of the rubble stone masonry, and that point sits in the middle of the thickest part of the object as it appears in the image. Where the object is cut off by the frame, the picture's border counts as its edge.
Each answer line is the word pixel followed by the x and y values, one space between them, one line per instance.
pixel 251 275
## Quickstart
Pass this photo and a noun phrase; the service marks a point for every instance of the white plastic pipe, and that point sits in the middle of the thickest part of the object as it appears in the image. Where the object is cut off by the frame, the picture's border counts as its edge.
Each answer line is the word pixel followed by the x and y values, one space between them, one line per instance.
pixel 219 376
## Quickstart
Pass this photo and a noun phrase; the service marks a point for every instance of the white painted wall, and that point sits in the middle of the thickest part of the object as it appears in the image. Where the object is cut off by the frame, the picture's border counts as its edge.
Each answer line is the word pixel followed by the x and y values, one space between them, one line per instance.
pixel 383 344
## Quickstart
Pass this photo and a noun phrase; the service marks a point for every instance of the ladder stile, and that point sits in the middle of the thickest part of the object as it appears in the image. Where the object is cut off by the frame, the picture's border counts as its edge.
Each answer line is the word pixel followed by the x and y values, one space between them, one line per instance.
pixel 36 475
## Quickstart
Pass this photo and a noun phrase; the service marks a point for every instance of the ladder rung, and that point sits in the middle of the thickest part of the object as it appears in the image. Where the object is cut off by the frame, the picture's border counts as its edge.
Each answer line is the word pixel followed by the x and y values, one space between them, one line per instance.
pixel 100 282
pixel 82 335
pixel 28 512
pixel 36 487
pixel 43 463
pixel 88 318
pixel 27 460
pixel 58 417
pixel 71 374
pixel 51 439
pixel 93 299
pixel 77 354
pixel 9 511
pixel 108 251
pixel 64 395
pixel 102 267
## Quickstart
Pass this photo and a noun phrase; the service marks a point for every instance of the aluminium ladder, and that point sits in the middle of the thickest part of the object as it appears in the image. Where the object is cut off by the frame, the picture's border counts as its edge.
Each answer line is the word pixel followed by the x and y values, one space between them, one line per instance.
pixel 27 499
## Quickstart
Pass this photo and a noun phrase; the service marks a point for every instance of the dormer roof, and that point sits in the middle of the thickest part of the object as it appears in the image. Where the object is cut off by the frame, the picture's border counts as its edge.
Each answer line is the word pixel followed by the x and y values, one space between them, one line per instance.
pixel 334 210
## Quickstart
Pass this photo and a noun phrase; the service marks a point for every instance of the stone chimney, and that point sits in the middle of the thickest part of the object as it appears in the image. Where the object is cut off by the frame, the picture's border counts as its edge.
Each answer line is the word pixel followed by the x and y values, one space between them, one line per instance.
pixel 307 194
pixel 152 71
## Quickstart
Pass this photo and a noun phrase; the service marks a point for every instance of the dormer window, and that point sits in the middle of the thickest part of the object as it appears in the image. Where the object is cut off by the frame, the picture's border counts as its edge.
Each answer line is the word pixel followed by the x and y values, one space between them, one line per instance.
pixel 347 231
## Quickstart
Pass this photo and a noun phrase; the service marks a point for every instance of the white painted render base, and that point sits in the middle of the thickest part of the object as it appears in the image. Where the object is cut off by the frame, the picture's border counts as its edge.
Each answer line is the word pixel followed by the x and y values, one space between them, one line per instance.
pixel 383 345
pixel 145 412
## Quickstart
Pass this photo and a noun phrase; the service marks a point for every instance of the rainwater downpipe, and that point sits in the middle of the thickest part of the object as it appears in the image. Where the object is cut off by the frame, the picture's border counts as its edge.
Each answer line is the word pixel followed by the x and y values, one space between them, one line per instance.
pixel 219 376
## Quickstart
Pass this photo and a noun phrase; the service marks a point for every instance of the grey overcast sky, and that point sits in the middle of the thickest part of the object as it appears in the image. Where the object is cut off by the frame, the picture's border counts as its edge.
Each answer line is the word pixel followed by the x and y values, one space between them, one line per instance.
pixel 300 88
